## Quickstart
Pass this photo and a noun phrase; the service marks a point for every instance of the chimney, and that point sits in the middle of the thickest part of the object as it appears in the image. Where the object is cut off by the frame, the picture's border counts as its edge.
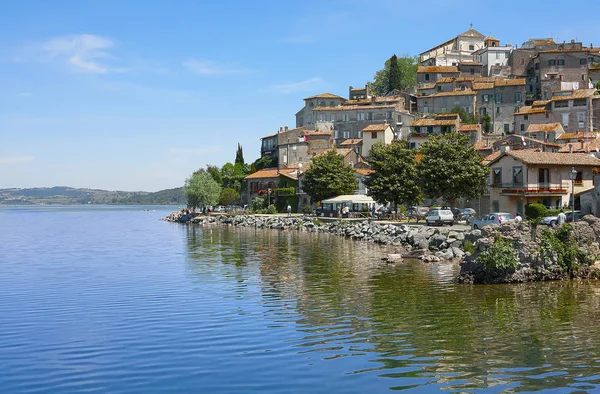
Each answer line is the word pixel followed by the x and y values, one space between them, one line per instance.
pixel 504 148
pixel 591 46
pixel 570 148
pixel 280 129
pixel 286 128
pixel 582 145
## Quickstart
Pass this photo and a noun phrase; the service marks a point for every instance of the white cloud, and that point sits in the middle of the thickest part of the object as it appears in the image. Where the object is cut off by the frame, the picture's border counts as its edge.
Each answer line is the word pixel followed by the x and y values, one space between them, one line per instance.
pixel 16 159
pixel 309 84
pixel 85 53
pixel 207 67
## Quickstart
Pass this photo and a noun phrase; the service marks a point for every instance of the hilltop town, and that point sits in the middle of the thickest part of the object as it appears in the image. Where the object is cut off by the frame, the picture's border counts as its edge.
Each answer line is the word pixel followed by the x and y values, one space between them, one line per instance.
pixel 534 113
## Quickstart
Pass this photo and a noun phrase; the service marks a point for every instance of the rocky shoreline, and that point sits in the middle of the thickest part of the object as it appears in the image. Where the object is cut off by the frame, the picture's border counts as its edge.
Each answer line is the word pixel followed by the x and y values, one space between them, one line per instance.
pixel 512 252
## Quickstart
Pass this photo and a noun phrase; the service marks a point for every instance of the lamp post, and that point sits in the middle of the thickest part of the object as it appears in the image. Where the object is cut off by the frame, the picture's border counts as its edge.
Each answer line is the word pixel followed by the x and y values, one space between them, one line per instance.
pixel 572 177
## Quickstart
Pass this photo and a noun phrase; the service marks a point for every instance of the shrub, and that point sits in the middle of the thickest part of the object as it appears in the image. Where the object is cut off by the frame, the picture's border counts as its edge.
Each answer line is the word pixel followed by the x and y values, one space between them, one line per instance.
pixel 535 212
pixel 307 209
pixel 271 209
pixel 500 256
pixel 562 246
pixel 257 204
pixel 469 247
pixel 317 222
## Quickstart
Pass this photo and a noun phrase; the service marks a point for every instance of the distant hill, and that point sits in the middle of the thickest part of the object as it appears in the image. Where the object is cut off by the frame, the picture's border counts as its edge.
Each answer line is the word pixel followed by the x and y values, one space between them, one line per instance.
pixel 69 195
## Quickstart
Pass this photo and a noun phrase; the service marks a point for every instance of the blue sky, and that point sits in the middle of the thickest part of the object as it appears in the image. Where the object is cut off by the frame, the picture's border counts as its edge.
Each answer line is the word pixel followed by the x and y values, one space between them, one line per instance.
pixel 136 95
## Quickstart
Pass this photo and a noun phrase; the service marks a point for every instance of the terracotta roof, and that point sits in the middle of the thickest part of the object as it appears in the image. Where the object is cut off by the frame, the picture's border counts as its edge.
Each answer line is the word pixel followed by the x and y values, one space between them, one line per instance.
pixel 452 116
pixel 528 110
pixel 318 133
pixel 271 173
pixel 426 86
pixel 302 128
pixel 433 122
pixel 483 85
pixel 492 156
pixel 582 135
pixel 588 146
pixel 533 128
pixel 509 82
pixel 376 127
pixel 351 141
pixel 469 127
pixel 483 145
pixel 269 136
pixel 470 63
pixel 491 38
pixel 554 158
pixel 364 171
pixel 541 41
pixel 540 103
pixel 437 69
pixel 326 96
pixel 466 92
pixel 579 93
pixel 471 33
pixel 445 80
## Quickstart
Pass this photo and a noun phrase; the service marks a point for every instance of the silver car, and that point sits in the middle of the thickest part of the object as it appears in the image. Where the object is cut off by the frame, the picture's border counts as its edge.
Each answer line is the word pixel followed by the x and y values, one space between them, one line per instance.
pixel 492 218
pixel 439 216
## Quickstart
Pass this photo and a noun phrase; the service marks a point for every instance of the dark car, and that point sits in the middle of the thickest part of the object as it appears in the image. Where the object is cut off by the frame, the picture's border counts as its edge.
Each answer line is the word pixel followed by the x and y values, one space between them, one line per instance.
pixel 569 215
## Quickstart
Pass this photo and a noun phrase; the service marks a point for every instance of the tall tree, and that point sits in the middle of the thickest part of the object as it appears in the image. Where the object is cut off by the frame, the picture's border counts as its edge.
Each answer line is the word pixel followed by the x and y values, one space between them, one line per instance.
pixel 201 190
pixel 408 75
pixel 395 176
pixel 228 196
pixel 215 172
pixel 239 155
pixel 451 168
pixel 395 75
pixel 328 176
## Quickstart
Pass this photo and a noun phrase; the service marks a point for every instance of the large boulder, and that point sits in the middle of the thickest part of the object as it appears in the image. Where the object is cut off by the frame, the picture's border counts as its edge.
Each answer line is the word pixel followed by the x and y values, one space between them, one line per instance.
pixel 437 240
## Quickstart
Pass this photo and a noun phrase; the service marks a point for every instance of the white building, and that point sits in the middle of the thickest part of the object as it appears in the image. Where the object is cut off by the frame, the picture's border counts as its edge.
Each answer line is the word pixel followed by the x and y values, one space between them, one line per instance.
pixel 493 57
pixel 455 50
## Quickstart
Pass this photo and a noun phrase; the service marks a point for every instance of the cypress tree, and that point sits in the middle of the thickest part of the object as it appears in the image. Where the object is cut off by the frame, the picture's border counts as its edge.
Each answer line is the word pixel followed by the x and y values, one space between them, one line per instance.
pixel 395 75
pixel 239 155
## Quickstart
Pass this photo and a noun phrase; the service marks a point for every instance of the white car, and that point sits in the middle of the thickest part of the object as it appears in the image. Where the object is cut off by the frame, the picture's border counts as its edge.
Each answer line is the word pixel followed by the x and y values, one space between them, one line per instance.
pixel 439 216
pixel 492 218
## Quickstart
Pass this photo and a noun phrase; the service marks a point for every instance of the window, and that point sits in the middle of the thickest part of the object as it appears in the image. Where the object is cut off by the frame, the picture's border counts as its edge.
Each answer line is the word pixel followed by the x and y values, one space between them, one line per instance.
pixel 583 77
pixel 310 118
pixel 497 55
pixel 561 104
pixel 580 119
pixel 374 135
pixel 583 61
pixel 506 127
pixel 294 147
pixel 360 134
pixel 331 104
pixel 413 145
pixel 346 134
pixel 425 110
pixel 471 47
pixel 427 77
pixel 498 98
pixel 552 62
pixel 472 71
pixel 322 104
pixel 482 111
pixel 429 129
pixel 579 178
pixel 522 127
pixel 345 117
pixel 543 175
pixel 560 62
pixel 496 176
pixel 579 103
pixel 399 118
pixel 486 98
pixel 518 175
pixel 526 117
pixel 333 117
pixel 565 120
pixel 439 88
pixel 518 97
pixel 498 110
pixel 370 115
pixel 322 117
pixel 388 115
pixel 300 121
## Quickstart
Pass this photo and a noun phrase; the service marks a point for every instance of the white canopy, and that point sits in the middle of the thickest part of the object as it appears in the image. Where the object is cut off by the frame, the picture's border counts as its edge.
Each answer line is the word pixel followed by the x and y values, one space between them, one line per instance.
pixel 350 199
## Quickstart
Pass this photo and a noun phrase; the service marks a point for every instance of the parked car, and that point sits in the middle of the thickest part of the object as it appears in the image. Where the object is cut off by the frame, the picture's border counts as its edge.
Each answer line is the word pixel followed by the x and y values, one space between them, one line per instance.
pixel 463 214
pixel 569 214
pixel 416 213
pixel 492 218
pixel 219 208
pixel 553 220
pixel 439 216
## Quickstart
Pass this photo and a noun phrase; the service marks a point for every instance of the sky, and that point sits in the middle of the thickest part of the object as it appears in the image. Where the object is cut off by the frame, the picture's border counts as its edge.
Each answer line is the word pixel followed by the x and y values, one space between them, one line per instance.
pixel 136 95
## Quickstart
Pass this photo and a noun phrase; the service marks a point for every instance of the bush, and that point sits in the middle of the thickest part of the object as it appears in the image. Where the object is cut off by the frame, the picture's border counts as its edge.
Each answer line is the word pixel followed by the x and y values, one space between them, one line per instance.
pixel 271 209
pixel 535 212
pixel 500 256
pixel 257 204
pixel 561 246
pixel 469 247
pixel 307 209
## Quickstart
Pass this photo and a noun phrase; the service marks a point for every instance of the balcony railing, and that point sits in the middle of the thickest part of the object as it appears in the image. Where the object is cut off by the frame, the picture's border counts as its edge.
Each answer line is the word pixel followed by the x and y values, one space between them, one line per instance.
pixel 532 188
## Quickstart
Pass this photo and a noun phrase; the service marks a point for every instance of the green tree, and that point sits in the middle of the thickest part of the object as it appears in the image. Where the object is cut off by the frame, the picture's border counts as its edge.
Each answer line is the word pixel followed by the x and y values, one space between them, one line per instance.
pixel 465 117
pixel 239 155
pixel 215 172
pixel 229 196
pixel 407 66
pixel 265 162
pixel 451 168
pixel 232 176
pixel 395 75
pixel 328 176
pixel 486 121
pixel 201 190
pixel 395 177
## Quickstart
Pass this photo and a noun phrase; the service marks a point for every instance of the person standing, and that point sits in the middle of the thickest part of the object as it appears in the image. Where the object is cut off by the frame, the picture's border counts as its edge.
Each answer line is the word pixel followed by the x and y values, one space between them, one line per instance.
pixel 518 218
pixel 289 210
pixel 561 218
pixel 373 210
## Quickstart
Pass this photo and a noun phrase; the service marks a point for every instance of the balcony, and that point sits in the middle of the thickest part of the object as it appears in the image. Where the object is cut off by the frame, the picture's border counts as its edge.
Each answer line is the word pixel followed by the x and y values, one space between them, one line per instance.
pixel 532 189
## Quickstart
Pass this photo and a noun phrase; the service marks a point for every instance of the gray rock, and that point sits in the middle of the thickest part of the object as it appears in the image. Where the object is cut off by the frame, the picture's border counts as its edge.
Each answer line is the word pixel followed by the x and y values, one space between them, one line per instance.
pixel 458 253
pixel 393 258
pixel 437 240
pixel 473 235
pixel 445 254
pixel 456 244
pixel 429 258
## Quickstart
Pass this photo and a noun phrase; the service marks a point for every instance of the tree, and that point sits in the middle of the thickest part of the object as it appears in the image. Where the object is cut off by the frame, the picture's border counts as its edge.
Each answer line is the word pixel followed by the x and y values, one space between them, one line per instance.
pixel 465 117
pixel 407 66
pixel 215 172
pixel 395 177
pixel 451 168
pixel 232 176
pixel 228 196
pixel 265 162
pixel 395 75
pixel 328 176
pixel 486 121
pixel 239 155
pixel 201 190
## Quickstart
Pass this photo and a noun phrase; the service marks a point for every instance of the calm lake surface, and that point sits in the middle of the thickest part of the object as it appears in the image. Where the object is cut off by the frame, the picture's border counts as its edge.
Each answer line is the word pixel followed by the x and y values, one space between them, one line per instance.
pixel 111 299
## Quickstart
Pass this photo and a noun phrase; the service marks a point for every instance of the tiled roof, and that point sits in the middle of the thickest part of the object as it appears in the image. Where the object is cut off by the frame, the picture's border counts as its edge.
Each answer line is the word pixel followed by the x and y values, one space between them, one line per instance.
pixel 532 128
pixel 376 127
pixel 470 63
pixel 554 158
pixel 579 93
pixel 491 38
pixel 433 122
pixel 528 110
pixel 471 33
pixel 540 103
pixel 466 92
pixel 509 82
pixel 578 147
pixel 541 41
pixel 445 80
pixel 318 133
pixel 437 69
pixel 351 141
pixel 483 85
pixel 364 171
pixel 302 128
pixel 492 156
pixel 469 127
pixel 269 136
pixel 483 145
pixel 325 96
pixel 271 173
pixel 580 135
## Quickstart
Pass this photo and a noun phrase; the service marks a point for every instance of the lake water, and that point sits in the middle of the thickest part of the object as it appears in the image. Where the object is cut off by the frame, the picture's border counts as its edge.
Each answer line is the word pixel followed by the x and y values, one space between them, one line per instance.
pixel 111 299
